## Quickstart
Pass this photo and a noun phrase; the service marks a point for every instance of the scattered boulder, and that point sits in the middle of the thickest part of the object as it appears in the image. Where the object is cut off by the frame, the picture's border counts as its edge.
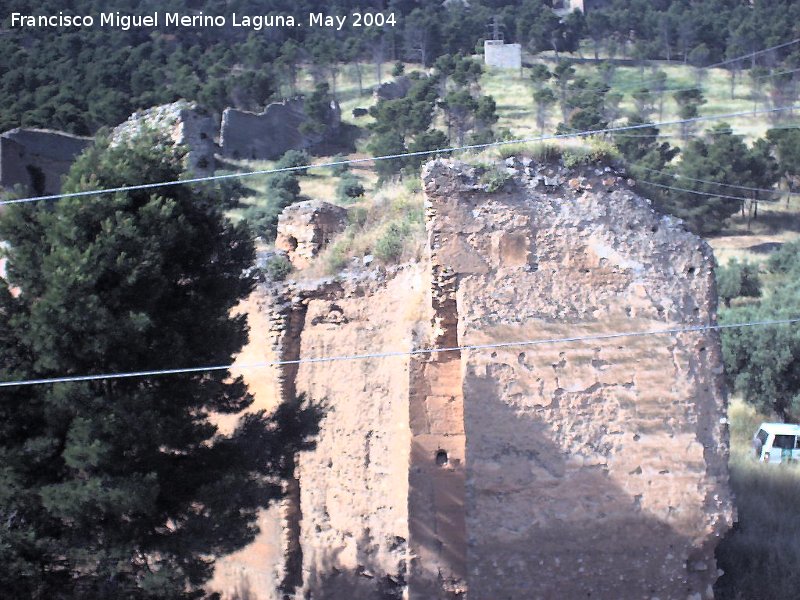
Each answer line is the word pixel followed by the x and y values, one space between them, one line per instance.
pixel 37 159
pixel 185 123
pixel 305 228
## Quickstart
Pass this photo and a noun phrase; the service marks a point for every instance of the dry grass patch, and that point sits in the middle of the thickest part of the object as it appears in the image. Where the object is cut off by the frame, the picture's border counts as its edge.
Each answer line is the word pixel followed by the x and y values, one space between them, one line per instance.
pixel 761 555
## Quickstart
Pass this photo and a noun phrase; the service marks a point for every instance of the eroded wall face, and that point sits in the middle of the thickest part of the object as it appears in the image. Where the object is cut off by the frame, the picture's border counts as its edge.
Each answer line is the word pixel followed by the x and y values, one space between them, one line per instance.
pixel 594 468
pixel 354 485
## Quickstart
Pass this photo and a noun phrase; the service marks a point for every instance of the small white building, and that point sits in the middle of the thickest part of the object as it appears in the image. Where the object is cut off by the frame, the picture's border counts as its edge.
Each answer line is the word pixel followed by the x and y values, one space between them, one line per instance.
pixel 499 54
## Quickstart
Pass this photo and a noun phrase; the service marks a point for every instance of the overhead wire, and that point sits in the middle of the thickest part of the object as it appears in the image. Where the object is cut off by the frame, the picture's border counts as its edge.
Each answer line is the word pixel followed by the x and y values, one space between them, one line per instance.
pixel 448 150
pixel 701 193
pixel 708 181
pixel 396 353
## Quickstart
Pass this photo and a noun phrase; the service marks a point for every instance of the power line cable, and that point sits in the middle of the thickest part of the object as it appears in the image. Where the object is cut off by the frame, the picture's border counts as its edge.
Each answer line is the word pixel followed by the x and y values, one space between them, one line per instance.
pixel 210 178
pixel 678 176
pixel 750 54
pixel 398 353
pixel 687 190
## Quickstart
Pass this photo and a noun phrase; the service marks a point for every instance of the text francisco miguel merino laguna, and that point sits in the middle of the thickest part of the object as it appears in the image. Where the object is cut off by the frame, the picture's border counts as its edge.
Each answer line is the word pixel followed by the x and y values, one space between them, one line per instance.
pixel 173 19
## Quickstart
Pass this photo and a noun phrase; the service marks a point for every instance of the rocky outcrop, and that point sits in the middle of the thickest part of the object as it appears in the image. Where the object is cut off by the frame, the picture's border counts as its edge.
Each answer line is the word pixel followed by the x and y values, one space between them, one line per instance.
pixel 268 135
pixel 500 464
pixel 37 159
pixel 393 90
pixel 304 228
pixel 185 124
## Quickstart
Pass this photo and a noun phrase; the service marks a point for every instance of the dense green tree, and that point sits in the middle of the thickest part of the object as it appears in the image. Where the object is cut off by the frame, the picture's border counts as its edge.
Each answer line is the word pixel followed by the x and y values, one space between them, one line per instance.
pixel 689 102
pixel 539 76
pixel 405 124
pixel 763 363
pixel 644 103
pixel 705 166
pixel 124 488
pixel 642 147
pixel 785 144
pixel 318 110
pixel 293 159
pixel 563 74
pixel 583 106
pixel 543 100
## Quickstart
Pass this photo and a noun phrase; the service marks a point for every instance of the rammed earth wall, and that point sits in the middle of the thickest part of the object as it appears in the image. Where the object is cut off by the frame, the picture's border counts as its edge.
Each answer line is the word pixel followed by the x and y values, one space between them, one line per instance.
pixel 591 468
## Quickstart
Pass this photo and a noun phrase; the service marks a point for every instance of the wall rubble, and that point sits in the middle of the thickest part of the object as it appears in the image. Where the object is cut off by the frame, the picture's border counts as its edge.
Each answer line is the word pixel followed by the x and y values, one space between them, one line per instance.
pixel 305 228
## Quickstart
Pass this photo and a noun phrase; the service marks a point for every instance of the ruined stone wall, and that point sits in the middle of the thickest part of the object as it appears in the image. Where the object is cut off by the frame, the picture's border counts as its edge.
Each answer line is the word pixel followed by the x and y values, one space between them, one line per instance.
pixel 268 135
pixel 596 468
pixel 37 159
pixel 304 228
pixel 186 124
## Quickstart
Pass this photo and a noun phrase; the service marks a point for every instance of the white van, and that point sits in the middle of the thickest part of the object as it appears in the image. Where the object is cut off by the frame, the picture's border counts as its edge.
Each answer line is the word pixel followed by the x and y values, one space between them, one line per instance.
pixel 777 443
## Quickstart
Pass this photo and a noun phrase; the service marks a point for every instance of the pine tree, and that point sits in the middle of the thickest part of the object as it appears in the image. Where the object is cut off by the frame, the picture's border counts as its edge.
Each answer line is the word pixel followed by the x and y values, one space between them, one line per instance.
pixel 124 488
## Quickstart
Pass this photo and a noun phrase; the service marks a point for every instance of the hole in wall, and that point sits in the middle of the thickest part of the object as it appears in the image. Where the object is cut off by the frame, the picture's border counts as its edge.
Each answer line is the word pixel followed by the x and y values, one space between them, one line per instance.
pixel 441 458
pixel 292 241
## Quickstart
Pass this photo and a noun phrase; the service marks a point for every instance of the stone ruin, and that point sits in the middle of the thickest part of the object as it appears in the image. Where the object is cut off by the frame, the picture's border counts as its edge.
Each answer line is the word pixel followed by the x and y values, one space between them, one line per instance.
pixel 594 467
pixel 268 135
pixel 393 90
pixel 37 159
pixel 497 53
pixel 186 124
pixel 304 228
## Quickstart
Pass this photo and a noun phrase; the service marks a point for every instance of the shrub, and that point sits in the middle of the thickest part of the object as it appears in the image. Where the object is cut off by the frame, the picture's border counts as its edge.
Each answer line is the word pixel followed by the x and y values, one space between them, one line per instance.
pixel 339 170
pixel 546 152
pixel 357 216
pixel 278 267
pixel 495 179
pixel 389 246
pixel 349 188
pixel 294 158
pixel 282 190
pixel 594 151
pixel 337 257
